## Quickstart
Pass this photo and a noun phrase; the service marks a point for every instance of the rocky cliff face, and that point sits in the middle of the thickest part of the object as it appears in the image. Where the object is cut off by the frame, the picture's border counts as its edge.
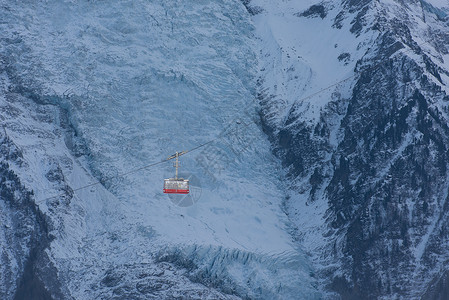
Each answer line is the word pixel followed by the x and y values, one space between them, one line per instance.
pixel 26 270
pixel 374 164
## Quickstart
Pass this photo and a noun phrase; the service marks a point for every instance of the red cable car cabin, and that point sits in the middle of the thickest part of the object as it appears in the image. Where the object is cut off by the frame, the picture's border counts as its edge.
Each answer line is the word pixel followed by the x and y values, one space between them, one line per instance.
pixel 176 186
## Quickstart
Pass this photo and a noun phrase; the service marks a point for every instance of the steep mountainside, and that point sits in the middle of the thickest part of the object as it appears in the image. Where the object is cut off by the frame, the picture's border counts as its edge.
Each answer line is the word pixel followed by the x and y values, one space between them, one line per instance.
pixel 355 98
pixel 91 90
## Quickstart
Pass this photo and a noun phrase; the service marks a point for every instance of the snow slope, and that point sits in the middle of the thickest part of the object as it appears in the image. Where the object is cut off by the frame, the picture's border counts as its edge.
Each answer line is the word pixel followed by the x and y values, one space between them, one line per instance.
pixel 300 56
pixel 135 81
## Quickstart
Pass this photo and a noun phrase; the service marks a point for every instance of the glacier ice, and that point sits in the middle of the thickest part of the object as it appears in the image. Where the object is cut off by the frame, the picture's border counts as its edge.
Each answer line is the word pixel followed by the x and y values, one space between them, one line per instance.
pixel 133 82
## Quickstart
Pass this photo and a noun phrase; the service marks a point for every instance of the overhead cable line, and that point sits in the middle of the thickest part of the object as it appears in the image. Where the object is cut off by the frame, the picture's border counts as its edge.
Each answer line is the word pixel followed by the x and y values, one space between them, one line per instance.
pixel 206 143
pixel 127 172
pixel 349 77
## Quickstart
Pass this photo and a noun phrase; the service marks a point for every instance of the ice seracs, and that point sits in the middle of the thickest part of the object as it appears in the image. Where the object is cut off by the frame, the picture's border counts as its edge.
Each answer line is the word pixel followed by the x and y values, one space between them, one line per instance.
pixel 127 76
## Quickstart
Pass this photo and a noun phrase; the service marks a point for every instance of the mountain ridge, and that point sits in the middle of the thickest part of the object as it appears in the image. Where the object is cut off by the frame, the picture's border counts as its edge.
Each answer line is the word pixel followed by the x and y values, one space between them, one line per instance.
pixel 351 166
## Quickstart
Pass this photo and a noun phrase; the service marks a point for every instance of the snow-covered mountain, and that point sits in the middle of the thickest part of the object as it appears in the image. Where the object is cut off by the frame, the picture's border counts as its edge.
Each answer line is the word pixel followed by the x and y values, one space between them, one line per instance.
pixel 355 98
pixel 327 176
pixel 93 89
